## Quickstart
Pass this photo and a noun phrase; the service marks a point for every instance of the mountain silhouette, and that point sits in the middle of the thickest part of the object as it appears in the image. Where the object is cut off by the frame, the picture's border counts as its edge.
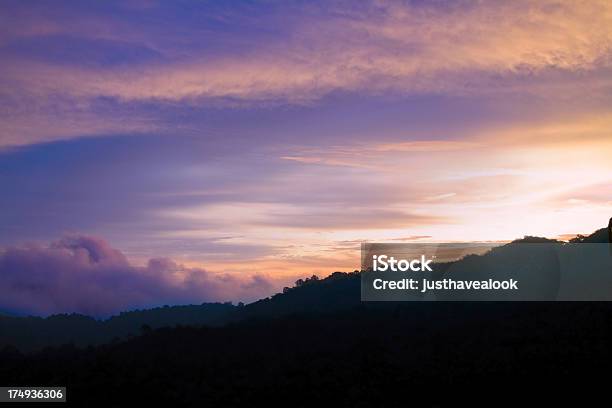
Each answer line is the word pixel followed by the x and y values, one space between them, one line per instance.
pixel 318 343
pixel 313 297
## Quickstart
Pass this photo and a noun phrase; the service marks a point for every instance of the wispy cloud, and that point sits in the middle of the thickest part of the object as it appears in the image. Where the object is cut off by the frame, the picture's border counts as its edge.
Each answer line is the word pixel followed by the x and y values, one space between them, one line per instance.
pixel 376 47
pixel 270 137
pixel 60 63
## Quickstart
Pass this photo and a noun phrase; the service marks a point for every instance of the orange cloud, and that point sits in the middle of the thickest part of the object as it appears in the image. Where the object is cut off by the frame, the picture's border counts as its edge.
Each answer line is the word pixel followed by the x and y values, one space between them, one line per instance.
pixel 401 48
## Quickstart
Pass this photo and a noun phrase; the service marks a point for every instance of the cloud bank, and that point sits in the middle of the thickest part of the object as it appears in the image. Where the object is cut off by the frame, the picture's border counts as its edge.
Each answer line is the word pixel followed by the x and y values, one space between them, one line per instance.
pixel 255 137
pixel 85 274
pixel 376 46
pixel 73 56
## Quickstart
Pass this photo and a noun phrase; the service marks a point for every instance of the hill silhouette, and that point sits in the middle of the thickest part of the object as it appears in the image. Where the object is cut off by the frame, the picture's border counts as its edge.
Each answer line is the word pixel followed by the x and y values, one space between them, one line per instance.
pixel 598 237
pixel 336 292
pixel 313 296
pixel 33 333
pixel 437 355
pixel 318 343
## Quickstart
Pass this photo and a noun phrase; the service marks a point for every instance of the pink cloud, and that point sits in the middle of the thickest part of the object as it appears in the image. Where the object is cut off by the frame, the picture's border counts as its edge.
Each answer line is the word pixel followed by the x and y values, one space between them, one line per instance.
pixel 405 48
pixel 86 275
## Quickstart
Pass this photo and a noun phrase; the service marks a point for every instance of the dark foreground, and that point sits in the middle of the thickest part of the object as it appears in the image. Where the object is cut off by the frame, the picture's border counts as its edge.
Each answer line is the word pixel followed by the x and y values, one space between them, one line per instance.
pixel 381 355
pixel 318 344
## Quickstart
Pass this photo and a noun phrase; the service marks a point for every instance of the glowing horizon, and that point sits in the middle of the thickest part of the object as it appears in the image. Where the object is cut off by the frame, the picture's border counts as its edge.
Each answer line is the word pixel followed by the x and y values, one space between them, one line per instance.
pixel 265 140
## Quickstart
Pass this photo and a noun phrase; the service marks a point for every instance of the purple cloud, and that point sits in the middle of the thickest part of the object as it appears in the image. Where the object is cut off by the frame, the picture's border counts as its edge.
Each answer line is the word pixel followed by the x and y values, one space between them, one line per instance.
pixel 85 274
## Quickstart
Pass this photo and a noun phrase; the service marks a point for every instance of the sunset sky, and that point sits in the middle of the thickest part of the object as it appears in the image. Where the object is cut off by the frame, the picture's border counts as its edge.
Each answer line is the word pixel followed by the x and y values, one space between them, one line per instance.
pixel 220 150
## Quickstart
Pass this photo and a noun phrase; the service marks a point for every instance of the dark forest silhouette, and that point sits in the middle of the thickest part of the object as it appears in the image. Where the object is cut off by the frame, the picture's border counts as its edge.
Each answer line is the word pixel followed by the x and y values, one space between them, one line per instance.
pixel 339 291
pixel 317 342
